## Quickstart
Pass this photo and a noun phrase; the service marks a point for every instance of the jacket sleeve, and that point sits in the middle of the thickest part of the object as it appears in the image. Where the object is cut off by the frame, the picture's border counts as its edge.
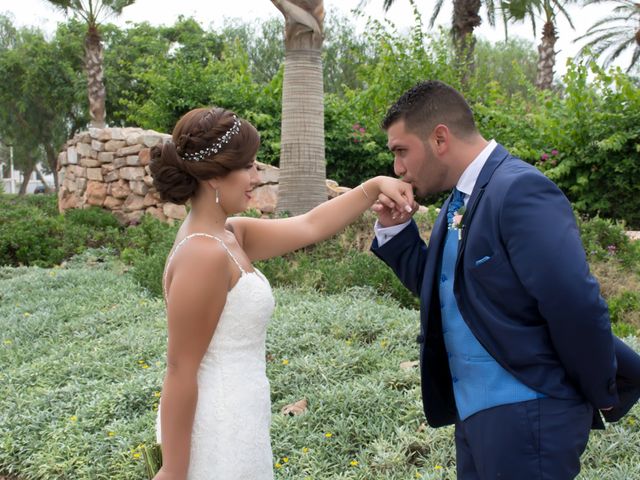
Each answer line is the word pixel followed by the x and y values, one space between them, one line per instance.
pixel 406 254
pixel 539 231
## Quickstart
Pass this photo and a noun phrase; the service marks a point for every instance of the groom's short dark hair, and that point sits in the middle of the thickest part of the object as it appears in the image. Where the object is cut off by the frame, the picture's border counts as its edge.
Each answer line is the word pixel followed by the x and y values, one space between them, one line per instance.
pixel 428 104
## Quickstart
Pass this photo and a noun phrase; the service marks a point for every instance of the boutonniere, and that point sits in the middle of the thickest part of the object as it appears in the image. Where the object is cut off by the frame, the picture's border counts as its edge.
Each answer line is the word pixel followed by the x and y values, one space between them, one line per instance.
pixel 456 222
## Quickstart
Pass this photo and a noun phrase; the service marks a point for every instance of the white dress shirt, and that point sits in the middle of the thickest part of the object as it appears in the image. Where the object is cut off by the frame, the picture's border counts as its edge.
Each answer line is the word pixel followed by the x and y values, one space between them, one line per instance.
pixel 465 184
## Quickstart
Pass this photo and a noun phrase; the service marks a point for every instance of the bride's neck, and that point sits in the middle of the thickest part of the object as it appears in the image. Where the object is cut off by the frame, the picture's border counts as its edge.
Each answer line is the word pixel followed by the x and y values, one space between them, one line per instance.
pixel 206 215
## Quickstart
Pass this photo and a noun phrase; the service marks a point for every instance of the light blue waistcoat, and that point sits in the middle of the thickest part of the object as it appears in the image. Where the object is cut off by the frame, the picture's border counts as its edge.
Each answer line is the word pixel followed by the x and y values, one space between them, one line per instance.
pixel 479 382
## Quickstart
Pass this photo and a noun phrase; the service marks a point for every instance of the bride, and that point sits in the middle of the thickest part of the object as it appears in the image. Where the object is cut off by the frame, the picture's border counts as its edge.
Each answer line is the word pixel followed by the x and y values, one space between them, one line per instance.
pixel 215 408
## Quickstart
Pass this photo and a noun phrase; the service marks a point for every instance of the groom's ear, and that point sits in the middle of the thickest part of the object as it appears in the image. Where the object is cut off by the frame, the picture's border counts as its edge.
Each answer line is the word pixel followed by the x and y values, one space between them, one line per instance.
pixel 441 138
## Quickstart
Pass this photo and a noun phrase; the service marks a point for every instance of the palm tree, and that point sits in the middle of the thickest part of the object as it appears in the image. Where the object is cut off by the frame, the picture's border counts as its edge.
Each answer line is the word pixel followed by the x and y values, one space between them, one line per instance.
pixel 302 163
pixel 466 18
pixel 618 32
pixel 549 9
pixel 93 12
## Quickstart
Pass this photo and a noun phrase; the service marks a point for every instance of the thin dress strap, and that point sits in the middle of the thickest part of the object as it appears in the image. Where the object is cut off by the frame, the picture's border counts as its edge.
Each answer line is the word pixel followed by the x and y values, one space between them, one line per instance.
pixel 182 242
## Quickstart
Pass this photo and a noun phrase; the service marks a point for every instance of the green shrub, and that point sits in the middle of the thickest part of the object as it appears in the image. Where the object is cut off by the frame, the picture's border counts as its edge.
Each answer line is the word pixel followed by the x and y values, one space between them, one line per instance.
pixel 146 248
pixel 605 239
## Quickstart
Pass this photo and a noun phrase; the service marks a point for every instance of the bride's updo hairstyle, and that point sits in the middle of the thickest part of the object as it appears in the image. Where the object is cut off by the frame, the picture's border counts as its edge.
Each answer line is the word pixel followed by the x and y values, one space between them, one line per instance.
pixel 207 143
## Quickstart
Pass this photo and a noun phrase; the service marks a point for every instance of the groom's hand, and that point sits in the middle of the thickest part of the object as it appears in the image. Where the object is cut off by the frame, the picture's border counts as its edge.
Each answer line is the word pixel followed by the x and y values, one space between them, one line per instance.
pixel 388 214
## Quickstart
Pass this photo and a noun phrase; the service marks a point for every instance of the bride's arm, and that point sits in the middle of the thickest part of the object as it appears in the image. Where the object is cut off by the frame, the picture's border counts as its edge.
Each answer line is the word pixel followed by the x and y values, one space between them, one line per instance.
pixel 263 239
pixel 197 294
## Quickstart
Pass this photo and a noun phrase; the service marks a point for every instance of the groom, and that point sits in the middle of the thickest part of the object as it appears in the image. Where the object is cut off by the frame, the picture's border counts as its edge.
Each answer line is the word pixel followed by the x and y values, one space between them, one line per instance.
pixel 516 344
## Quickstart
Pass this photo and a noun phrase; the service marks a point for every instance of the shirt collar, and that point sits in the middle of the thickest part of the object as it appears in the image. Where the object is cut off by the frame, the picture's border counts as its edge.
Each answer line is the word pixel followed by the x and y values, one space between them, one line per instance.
pixel 467 180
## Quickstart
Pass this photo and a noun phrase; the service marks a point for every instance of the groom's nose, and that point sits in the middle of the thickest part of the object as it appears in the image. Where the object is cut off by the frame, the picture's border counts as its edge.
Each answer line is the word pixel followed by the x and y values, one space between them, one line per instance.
pixel 398 167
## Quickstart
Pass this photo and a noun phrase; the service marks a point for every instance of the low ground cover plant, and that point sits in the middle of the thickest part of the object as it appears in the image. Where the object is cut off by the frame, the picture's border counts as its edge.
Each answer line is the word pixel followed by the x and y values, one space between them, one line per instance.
pixel 82 352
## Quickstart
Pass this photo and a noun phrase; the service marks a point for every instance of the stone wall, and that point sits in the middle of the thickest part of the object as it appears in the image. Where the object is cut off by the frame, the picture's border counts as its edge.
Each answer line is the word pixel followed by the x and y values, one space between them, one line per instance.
pixel 109 168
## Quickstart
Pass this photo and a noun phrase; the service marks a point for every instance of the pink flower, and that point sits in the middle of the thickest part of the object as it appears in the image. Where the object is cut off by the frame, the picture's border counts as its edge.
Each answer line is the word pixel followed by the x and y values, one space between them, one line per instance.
pixel 356 126
pixel 611 249
pixel 544 157
pixel 362 130
pixel 554 152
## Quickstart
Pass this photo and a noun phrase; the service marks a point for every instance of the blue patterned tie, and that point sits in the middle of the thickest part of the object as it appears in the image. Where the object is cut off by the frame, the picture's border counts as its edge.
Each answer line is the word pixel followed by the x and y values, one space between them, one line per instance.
pixel 457 201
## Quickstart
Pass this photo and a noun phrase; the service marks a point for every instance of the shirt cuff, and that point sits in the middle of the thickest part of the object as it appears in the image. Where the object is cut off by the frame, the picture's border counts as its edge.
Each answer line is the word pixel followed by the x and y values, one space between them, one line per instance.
pixel 384 234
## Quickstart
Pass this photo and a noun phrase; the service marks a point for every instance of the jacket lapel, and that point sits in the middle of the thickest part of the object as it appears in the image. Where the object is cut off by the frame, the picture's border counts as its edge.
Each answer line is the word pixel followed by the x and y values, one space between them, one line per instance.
pixel 498 156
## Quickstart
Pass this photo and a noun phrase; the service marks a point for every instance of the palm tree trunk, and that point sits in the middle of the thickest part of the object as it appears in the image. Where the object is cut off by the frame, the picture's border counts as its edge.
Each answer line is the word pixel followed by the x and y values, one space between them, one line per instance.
pixel 302 156
pixel 94 61
pixel 546 57
pixel 466 17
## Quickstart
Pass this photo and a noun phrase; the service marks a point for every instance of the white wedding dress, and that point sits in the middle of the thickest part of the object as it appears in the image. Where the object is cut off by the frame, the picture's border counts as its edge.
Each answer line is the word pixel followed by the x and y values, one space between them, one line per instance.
pixel 230 437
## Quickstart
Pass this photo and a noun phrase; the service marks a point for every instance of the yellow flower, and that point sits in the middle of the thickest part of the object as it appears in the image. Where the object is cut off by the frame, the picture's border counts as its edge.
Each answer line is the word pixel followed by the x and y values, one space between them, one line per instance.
pixel 438 467
pixel 136 455
pixel 354 463
pixel 27 314
pixel 285 361
pixel 349 342
pixel 111 434
pixel 156 394
pixel 418 475
pixel 73 418
pixel 8 342
pixel 305 450
pixel 384 343
pixel 140 362
pixel 285 459
pixel 145 366
pixel 278 465
pixel 328 434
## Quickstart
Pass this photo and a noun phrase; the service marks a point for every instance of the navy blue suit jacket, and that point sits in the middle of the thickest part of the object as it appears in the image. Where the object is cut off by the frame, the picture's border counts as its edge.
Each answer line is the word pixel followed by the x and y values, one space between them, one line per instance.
pixel 533 304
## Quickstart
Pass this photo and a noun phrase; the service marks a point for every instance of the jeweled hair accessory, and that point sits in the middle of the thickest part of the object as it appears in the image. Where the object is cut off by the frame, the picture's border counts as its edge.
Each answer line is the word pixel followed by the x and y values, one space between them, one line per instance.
pixel 216 147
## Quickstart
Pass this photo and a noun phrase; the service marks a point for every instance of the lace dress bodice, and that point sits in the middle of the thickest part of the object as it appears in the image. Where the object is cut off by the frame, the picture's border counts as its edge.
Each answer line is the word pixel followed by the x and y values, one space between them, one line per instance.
pixel 230 435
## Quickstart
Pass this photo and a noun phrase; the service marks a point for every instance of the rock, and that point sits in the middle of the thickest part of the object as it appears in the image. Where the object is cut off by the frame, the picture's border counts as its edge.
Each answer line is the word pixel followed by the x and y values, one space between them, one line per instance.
pixel 89 162
pixel 96 193
pixel 133 160
pixel 264 198
pixel 62 159
pixel 72 156
pixel 145 157
pixel 130 150
pixel 67 200
pixel 151 140
pixel 106 157
pixel 171 210
pixel 138 187
pixel 97 146
pixel 132 173
pixel 119 189
pixel 114 145
pixel 157 213
pixel 112 203
pixel 94 174
pixel 132 203
pixel 268 173
pixel 84 150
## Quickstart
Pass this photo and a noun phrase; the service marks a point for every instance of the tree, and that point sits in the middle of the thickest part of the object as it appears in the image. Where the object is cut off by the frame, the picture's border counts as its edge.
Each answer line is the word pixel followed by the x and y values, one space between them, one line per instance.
pixel 617 32
pixel 38 106
pixel 302 154
pixel 93 12
pixel 550 9
pixel 466 18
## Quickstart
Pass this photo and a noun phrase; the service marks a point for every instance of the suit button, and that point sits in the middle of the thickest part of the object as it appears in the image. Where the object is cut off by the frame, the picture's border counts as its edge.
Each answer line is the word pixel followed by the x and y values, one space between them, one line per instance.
pixel 443 278
pixel 420 339
pixel 612 386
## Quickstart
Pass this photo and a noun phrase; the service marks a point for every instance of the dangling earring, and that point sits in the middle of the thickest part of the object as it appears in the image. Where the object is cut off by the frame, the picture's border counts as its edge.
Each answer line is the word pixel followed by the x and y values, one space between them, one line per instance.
pixel 217 197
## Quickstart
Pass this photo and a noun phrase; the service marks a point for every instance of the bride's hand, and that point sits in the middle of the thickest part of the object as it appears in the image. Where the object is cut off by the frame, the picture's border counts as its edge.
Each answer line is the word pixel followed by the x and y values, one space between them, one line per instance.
pixel 395 203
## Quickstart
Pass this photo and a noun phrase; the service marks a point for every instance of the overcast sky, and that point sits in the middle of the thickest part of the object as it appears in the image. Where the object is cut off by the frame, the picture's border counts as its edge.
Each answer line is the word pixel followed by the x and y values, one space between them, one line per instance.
pixel 212 12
